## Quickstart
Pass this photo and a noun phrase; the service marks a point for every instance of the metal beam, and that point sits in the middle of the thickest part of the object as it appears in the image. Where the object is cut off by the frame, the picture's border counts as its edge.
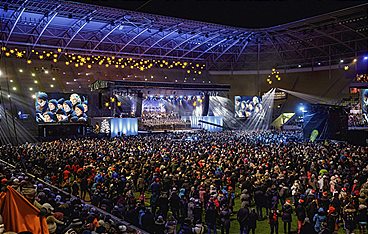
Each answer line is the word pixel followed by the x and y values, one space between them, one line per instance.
pixel 80 25
pixel 131 40
pixel 213 46
pixel 44 28
pixel 223 52
pixel 335 39
pixel 15 23
pixel 195 47
pixel 158 41
pixel 183 42
pixel 311 44
pixel 104 37
pixel 241 51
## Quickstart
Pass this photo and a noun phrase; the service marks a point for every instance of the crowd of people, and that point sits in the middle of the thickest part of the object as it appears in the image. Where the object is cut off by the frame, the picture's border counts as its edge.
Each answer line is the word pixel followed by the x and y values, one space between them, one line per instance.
pixel 165 183
pixel 361 78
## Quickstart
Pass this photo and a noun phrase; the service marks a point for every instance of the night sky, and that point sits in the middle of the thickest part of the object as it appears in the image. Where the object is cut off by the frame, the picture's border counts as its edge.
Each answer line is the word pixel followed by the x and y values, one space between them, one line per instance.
pixel 241 13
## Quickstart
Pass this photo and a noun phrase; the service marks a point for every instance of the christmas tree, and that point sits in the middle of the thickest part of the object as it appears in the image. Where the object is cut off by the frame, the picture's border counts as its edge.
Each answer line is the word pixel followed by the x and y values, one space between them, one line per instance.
pixel 105 126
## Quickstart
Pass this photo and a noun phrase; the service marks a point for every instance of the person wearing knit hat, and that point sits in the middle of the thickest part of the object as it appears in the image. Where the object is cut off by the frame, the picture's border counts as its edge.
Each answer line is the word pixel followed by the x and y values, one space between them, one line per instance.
pixel 67 105
pixel 49 117
pixel 60 103
pixel 79 111
pixel 53 105
pixel 42 102
pixel 287 211
pixel 61 116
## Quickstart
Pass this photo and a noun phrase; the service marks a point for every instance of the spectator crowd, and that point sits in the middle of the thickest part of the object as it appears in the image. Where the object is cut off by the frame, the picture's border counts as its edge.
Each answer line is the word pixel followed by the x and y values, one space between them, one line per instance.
pixel 165 183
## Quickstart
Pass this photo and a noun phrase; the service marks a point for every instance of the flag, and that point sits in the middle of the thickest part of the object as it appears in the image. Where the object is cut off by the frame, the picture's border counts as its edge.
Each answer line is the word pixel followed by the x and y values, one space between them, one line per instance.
pixel 19 214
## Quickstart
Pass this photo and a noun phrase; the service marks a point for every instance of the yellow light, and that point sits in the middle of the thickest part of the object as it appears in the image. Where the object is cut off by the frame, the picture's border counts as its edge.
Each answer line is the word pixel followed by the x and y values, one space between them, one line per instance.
pixel 59 50
pixel 33 74
pixel 116 66
pixel 14 88
pixel 12 51
pixel 51 85
pixel 355 60
pixel 3 48
pixel 199 72
pixel 76 65
pixel 119 103
pixel 30 89
pixel 48 54
pixel 141 68
pixel 20 70
pixel 29 61
pixel 106 104
pixel 346 68
pixel 41 56
pixel 106 65
pixel 131 67
pixel 67 63
pixel 19 54
pixel 273 69
pixel 55 60
pixel 73 57
pixel 53 78
pixel 122 66
pixel 88 58
pixel 112 99
pixel 35 81
pixel 11 81
pixel 7 54
pixel 89 66
pixel 55 55
pixel 80 64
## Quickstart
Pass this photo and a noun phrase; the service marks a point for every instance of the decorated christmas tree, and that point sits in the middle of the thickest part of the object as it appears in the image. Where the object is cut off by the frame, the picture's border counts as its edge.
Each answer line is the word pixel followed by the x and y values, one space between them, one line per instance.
pixel 105 127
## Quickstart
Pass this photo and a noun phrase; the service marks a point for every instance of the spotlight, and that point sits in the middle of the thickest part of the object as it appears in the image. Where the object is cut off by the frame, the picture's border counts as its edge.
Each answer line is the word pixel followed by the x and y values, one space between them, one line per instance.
pixel 33 74
pixel 302 109
pixel 341 61
pixel 30 89
pixel 51 85
pixel 11 81
pixel 319 64
pixel 299 66
pixel 53 78
pixel 365 58
pixel 355 60
pixel 14 88
pixel 35 81
pixel 20 70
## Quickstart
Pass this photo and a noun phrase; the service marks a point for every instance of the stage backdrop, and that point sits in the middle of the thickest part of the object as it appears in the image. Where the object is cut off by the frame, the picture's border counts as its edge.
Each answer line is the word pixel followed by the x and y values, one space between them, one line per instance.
pixel 124 126
pixel 195 124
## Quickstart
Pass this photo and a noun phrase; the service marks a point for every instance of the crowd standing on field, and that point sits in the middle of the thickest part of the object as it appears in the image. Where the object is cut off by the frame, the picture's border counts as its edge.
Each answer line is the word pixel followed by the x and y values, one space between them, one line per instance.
pixel 191 182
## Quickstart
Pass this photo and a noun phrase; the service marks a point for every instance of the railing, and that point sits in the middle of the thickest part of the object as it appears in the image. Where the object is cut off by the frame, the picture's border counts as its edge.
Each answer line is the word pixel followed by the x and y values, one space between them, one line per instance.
pixel 114 218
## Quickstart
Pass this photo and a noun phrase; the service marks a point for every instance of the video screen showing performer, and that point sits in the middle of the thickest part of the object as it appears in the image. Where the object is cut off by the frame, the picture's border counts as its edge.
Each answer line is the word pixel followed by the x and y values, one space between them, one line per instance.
pixel 247 106
pixel 61 108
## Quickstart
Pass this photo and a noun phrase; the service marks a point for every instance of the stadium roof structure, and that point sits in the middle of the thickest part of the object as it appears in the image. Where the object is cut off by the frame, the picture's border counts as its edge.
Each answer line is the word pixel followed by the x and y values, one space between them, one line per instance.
pixel 89 29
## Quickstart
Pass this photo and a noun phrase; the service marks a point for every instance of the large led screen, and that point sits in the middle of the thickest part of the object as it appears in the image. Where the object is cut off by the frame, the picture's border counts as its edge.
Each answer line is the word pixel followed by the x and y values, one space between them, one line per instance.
pixel 61 107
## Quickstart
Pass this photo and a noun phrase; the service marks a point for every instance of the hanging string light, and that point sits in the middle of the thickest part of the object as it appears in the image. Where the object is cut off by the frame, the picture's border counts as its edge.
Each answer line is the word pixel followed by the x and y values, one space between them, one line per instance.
pixel 79 60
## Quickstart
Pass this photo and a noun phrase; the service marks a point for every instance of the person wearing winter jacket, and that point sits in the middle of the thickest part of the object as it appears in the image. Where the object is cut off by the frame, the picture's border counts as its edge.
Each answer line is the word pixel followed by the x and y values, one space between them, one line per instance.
pixel 287 210
pixel 349 218
pixel 318 219
pixel 253 217
pixel 300 214
pixel 362 218
pixel 225 213
pixel 273 220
